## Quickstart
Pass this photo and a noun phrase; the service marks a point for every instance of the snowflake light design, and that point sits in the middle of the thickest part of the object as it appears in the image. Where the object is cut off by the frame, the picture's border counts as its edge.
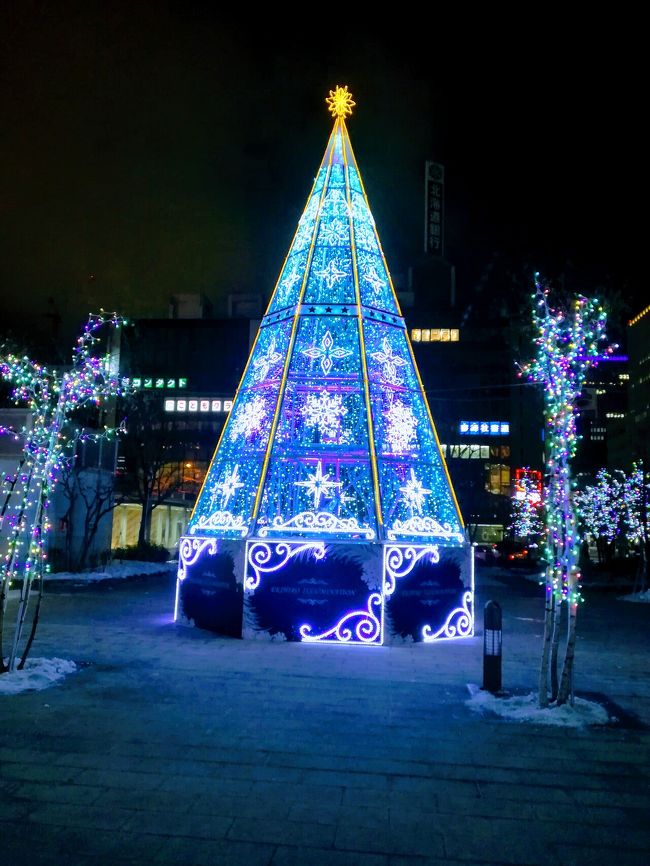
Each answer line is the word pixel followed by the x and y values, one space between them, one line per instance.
pixel 371 276
pixel 289 280
pixel 324 412
pixel 264 363
pixel 364 236
pixel 249 418
pixel 335 201
pixel 318 485
pixel 414 493
pixel 400 428
pixel 228 486
pixel 335 233
pixel 390 362
pixel 332 273
pixel 326 352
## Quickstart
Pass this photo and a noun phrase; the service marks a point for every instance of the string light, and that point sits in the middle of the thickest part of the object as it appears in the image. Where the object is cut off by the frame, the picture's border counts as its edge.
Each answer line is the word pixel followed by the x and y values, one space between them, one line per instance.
pixel 567 346
pixel 48 443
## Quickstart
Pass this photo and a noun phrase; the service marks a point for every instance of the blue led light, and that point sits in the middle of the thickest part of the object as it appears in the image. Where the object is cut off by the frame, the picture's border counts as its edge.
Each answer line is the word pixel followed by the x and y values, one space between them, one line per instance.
pixel 330 438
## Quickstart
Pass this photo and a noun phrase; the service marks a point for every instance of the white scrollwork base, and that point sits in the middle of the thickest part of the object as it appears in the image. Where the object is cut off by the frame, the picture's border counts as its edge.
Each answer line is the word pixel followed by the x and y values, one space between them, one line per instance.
pixel 424 527
pixel 400 561
pixel 266 558
pixel 222 521
pixel 459 623
pixel 318 522
pixel 189 551
pixel 367 629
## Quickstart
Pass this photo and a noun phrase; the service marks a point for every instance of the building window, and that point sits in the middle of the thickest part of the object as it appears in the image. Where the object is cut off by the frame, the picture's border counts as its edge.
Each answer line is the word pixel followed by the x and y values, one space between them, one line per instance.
pixel 499 479
pixel 435 335
pixel 489 428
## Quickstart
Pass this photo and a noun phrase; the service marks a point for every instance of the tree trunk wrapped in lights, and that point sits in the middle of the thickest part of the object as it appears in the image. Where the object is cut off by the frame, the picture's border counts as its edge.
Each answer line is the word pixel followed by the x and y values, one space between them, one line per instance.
pixel 567 346
pixel 48 445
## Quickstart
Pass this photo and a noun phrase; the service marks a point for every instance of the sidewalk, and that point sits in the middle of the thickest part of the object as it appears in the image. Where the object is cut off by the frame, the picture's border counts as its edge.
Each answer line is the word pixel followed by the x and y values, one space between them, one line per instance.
pixel 174 746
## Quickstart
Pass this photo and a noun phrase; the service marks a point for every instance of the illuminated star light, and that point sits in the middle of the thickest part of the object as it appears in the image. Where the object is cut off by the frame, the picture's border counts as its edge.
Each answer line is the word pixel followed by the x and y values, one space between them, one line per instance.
pixel 414 493
pixel 390 362
pixel 264 363
pixel 374 279
pixel 229 486
pixel 318 485
pixel 332 273
pixel 340 102
pixel 326 352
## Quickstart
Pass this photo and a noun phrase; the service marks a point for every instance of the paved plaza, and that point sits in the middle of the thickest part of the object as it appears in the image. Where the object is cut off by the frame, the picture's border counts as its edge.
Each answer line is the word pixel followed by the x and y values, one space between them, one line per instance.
pixel 174 746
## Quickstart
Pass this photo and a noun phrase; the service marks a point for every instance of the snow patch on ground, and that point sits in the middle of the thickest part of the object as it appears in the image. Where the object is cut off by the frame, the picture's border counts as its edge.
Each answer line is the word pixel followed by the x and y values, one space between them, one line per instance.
pixel 115 571
pixel 36 675
pixel 523 708
pixel 637 596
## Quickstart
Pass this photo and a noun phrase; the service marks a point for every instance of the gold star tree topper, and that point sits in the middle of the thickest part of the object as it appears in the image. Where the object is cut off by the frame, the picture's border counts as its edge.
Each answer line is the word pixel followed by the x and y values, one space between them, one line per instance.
pixel 340 102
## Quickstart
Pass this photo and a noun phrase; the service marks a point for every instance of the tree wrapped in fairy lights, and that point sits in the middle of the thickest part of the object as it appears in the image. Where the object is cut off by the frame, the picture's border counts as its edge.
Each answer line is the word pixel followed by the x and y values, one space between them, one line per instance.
pixel 635 499
pixel 48 444
pixel 568 344
pixel 526 511
pixel 600 507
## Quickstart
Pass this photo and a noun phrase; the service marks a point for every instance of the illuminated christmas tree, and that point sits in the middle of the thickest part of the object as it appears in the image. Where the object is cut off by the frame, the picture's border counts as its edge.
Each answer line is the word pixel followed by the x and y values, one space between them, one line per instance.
pixel 328 492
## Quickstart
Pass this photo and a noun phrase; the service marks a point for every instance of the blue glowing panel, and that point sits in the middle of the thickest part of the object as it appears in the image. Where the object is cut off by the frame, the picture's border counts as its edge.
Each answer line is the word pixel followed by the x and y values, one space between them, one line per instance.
pixel 319 478
pixel 313 592
pixel 428 592
pixel 225 505
pixel 416 493
pixel 210 585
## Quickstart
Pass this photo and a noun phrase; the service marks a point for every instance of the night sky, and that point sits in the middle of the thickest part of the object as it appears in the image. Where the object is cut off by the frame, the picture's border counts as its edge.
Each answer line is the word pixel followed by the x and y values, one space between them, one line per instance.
pixel 146 149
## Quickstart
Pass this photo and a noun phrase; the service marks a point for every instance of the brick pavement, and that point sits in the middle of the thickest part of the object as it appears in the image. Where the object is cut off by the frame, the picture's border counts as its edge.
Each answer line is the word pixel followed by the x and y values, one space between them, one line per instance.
pixel 173 746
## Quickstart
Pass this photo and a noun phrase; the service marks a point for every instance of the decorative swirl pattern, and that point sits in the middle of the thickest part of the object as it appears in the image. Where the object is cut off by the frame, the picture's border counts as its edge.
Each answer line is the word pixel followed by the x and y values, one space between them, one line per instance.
pixel 424 526
pixel 222 520
pixel 264 558
pixel 367 630
pixel 321 521
pixel 189 551
pixel 400 561
pixel 462 627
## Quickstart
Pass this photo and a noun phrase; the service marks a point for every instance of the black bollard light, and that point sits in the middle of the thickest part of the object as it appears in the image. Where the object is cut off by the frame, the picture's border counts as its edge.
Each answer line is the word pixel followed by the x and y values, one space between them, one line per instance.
pixel 492 647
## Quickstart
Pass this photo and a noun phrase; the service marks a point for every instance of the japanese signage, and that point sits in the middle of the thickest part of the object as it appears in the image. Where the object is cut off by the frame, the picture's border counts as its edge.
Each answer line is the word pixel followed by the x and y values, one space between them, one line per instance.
pixel 434 184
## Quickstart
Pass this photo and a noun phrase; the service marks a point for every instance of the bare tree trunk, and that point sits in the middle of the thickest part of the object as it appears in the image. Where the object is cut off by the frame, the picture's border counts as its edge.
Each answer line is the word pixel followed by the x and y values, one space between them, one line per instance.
pixel 36 537
pixel 549 612
pixel 557 620
pixel 145 519
pixel 12 554
pixel 35 618
pixel 566 683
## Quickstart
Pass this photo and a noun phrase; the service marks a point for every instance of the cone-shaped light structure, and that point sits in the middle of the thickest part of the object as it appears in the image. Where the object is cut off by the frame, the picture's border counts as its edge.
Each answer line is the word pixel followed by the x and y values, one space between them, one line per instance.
pixel 330 438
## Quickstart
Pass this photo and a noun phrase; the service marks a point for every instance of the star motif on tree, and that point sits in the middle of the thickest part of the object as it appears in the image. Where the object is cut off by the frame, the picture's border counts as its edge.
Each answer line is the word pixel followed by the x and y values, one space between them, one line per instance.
pixel 228 486
pixel 264 363
pixel 318 485
pixel 340 102
pixel 335 202
pixel 414 493
pixel 373 278
pixel 390 362
pixel 326 352
pixel 331 273
pixel 289 280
